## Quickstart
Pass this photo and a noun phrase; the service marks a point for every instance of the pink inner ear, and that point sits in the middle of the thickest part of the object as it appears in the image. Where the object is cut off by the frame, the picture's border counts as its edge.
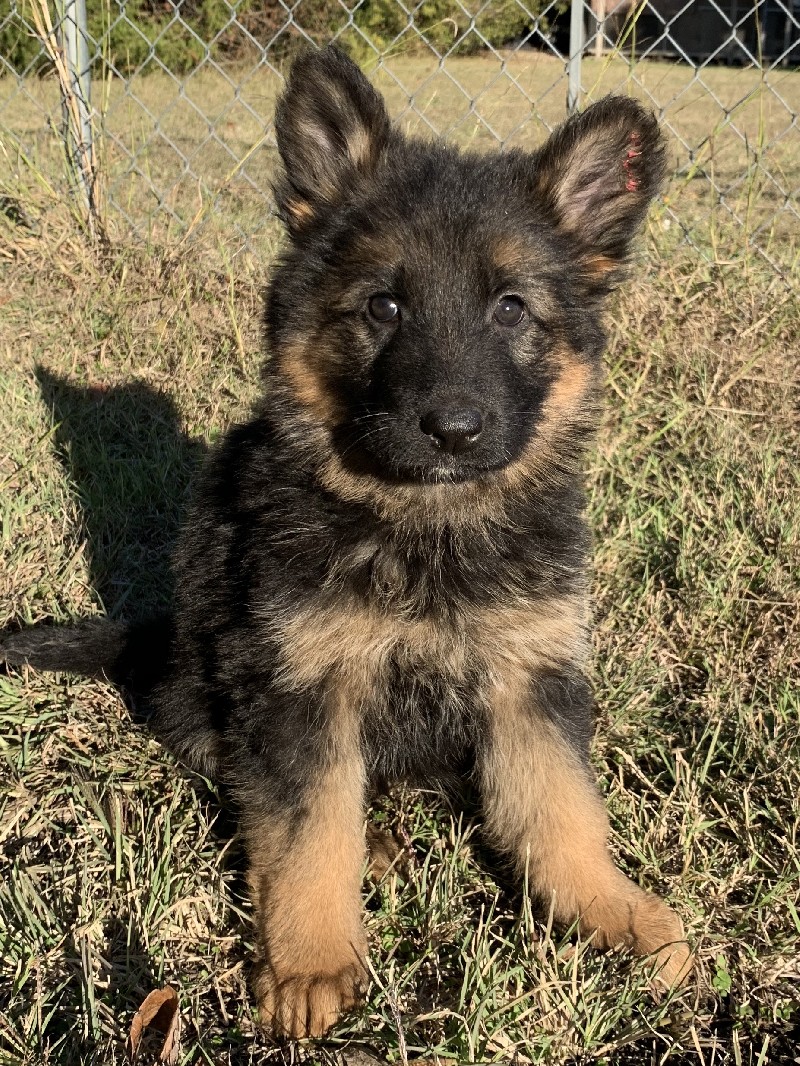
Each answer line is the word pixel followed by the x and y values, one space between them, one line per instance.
pixel 632 184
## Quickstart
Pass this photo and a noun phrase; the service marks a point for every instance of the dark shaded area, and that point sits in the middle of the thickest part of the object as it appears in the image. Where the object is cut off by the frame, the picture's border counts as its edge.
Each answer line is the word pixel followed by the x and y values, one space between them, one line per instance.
pixel 737 34
pixel 125 452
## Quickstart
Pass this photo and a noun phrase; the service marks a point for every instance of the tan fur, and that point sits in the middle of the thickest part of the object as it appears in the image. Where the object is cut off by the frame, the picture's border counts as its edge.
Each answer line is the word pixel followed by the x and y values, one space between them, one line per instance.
pixel 569 400
pixel 359 142
pixel 386 249
pixel 299 211
pixel 356 642
pixel 572 175
pixel 360 147
pixel 306 888
pixel 307 385
pixel 512 257
pixel 599 265
pixel 515 638
pixel 413 505
pixel 542 808
pixel 567 393
pixel 509 254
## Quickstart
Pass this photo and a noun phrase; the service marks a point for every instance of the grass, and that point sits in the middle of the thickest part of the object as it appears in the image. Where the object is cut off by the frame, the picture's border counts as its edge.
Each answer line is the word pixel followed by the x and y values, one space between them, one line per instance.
pixel 203 146
pixel 120 871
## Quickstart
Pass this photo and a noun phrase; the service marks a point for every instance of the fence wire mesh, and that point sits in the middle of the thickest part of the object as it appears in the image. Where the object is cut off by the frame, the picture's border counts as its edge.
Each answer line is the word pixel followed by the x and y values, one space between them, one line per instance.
pixel 182 95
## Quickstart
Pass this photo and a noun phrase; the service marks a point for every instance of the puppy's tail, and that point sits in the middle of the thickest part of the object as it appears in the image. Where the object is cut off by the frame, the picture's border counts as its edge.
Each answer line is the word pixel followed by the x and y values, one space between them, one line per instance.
pixel 132 655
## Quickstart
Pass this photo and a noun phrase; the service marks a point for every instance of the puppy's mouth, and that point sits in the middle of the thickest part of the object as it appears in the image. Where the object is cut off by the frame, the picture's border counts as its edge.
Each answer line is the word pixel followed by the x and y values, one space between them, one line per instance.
pixel 432 474
pixel 448 470
pixel 391 455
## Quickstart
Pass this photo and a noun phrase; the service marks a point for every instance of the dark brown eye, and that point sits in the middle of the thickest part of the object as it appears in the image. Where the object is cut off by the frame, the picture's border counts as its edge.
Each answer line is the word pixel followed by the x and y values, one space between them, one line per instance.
pixel 509 311
pixel 383 309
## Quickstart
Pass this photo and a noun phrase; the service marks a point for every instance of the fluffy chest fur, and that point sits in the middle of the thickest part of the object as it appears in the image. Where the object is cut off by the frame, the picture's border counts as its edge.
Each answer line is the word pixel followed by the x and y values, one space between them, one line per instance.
pixel 365 634
pixel 419 685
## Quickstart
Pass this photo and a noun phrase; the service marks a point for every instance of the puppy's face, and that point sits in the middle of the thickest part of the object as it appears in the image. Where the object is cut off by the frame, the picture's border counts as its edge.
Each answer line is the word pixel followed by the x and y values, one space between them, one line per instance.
pixel 436 316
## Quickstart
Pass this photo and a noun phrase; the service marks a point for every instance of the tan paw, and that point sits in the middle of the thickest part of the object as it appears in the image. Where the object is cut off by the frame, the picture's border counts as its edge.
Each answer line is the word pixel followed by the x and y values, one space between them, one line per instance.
pixel 306 1005
pixel 658 931
pixel 672 966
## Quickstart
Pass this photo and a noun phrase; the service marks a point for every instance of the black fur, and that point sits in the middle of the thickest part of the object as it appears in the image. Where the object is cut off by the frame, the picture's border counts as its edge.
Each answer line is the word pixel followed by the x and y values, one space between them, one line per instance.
pixel 332 498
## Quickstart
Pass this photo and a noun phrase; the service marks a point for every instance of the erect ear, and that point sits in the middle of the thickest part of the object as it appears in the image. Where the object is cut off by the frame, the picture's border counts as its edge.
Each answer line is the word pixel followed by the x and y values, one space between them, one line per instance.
pixel 331 127
pixel 598 173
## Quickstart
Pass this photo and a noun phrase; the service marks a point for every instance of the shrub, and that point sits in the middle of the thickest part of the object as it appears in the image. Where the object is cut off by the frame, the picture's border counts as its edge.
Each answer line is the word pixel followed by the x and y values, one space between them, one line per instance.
pixel 19 46
pixel 444 25
pixel 180 34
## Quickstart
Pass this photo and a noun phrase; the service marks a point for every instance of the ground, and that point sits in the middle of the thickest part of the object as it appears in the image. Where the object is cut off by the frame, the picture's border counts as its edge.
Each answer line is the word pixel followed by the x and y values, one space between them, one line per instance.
pixel 121 872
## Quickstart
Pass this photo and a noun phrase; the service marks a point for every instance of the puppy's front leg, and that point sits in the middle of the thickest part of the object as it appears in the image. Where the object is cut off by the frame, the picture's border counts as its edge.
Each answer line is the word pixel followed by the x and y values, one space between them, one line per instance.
pixel 305 869
pixel 543 809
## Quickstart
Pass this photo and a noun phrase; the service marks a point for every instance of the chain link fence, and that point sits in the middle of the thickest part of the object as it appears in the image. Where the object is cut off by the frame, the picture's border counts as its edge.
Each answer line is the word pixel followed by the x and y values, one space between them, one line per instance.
pixel 161 110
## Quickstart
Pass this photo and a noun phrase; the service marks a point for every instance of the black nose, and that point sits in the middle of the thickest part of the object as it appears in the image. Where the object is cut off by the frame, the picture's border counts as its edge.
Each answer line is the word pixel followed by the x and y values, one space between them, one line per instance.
pixel 452 431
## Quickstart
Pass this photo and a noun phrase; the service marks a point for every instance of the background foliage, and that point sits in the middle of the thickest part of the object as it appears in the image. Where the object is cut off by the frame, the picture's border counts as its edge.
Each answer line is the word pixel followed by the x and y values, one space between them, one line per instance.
pixel 131 33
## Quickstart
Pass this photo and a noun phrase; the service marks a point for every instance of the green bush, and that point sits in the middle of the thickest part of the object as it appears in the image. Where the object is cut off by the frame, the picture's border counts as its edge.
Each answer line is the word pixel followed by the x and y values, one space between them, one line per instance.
pixel 179 35
pixel 129 33
pixel 19 46
pixel 182 35
pixel 443 25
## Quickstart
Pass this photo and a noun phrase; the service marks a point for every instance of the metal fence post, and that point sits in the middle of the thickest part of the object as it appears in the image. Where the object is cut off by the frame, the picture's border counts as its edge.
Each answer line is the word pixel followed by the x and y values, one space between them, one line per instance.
pixel 576 36
pixel 77 100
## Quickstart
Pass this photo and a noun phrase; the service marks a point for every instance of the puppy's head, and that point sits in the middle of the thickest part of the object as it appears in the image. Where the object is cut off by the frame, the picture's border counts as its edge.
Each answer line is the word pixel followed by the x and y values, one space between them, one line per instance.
pixel 435 320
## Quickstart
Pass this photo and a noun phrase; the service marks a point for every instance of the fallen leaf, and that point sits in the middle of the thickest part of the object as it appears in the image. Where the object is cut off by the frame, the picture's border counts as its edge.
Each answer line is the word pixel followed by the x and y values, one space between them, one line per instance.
pixel 159 1011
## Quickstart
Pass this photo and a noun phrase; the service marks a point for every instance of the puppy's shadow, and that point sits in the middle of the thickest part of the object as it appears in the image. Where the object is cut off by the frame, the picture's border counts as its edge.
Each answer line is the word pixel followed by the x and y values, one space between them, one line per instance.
pixel 132 465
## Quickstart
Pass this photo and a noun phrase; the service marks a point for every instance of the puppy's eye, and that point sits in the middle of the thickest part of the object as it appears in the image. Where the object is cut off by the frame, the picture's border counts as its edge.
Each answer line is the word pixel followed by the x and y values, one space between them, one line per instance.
pixel 509 311
pixel 383 309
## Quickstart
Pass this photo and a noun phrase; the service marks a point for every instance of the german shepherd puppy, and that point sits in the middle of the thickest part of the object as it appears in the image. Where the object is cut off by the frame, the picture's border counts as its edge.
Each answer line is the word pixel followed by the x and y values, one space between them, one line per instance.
pixel 383 574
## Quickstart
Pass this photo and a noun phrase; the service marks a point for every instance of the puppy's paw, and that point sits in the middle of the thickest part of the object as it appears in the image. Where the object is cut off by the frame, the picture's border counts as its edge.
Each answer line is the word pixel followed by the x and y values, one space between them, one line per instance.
pixel 657 931
pixel 672 966
pixel 306 1005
